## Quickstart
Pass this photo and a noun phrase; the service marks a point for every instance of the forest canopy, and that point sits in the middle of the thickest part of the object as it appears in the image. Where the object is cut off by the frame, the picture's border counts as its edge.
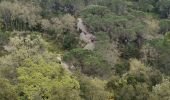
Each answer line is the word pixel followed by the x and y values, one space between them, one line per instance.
pixel 84 49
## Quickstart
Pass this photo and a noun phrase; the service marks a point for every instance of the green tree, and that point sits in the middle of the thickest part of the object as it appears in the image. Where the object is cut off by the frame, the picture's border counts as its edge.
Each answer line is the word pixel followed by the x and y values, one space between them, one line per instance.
pixel 161 91
pixel 164 8
pixel 117 6
pixel 93 89
pixel 162 49
pixel 39 78
pixel 4 36
pixel 164 26
pixel 19 16
pixel 7 90
pixel 88 62
pixel 145 5
pixel 136 84
pixel 137 92
pixel 20 48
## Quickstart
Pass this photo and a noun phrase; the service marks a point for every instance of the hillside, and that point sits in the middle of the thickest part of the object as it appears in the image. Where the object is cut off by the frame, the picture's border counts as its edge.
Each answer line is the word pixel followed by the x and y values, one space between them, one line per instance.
pixel 84 49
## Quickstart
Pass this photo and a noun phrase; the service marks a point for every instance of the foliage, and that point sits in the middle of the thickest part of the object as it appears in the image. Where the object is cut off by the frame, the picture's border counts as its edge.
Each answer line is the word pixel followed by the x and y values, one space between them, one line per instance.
pixel 18 16
pixel 122 67
pixel 164 26
pixel 4 37
pixel 136 83
pixel 88 62
pixel 93 89
pixel 163 48
pixel 163 8
pixel 161 91
pixel 7 90
pixel 42 55
pixel 39 78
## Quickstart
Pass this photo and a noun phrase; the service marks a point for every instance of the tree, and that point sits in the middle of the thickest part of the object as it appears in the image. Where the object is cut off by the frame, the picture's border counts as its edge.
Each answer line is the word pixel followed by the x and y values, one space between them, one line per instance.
pixel 145 5
pixel 34 70
pixel 93 89
pixel 20 48
pixel 144 74
pixel 61 30
pixel 40 78
pixel 107 22
pixel 88 63
pixel 111 54
pixel 19 16
pixel 4 36
pixel 164 8
pixel 137 92
pixel 161 91
pixel 164 26
pixel 96 10
pixel 117 6
pixel 7 90
pixel 136 84
pixel 162 49
pixel 65 93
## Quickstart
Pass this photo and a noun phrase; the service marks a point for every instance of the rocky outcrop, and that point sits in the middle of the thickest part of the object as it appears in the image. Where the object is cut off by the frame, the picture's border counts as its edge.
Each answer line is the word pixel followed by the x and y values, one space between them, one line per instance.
pixel 86 36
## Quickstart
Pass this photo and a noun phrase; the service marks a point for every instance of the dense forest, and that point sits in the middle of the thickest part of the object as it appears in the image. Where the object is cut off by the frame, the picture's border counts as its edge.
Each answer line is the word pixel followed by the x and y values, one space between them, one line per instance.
pixel 84 49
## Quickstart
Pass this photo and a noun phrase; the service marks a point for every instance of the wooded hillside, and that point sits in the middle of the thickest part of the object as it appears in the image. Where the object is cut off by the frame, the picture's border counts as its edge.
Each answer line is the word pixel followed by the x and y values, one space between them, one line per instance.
pixel 84 49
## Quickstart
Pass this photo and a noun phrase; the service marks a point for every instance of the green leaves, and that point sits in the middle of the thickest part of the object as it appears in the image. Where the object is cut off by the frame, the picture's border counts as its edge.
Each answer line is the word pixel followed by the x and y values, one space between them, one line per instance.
pixel 35 71
pixel 163 48
pixel 93 89
pixel 19 16
pixel 31 67
pixel 40 78
pixel 7 91
pixel 95 10
pixel 164 26
pixel 161 91
pixel 136 84
pixel 163 8
pixel 89 62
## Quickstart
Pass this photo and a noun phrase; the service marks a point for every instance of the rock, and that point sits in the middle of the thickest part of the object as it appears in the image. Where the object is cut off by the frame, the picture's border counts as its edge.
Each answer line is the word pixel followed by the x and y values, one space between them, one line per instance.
pixel 85 37
pixel 90 46
pixel 81 26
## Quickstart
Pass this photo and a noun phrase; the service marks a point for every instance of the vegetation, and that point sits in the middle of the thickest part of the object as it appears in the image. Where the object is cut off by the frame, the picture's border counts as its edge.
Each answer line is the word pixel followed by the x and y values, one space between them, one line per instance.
pixel 42 55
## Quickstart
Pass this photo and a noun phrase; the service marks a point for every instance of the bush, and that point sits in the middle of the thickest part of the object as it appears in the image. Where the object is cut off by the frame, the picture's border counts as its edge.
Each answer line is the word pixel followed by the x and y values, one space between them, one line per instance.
pixel 88 62
pixel 122 67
